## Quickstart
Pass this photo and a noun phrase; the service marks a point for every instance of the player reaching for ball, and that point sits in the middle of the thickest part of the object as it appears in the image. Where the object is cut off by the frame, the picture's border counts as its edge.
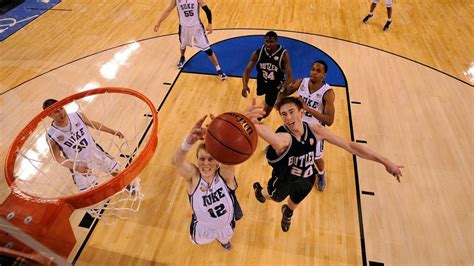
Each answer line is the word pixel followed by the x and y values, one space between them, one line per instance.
pixel 292 154
pixel 210 186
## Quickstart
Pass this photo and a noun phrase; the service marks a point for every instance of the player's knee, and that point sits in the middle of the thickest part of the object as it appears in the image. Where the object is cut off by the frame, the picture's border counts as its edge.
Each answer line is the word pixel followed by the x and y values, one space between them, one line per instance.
pixel 209 52
pixel 275 199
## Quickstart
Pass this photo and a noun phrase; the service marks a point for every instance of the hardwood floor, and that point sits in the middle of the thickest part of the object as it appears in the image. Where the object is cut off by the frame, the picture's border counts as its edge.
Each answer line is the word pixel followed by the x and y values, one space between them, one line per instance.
pixel 411 113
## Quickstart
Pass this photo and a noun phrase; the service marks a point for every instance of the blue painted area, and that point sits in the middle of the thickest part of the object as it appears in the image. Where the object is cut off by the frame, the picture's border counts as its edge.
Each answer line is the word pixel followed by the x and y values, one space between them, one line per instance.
pixel 23 14
pixel 234 55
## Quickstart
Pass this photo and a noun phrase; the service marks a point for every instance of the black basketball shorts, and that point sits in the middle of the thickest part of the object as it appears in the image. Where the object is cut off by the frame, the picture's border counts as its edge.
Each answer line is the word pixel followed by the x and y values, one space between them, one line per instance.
pixel 270 90
pixel 297 190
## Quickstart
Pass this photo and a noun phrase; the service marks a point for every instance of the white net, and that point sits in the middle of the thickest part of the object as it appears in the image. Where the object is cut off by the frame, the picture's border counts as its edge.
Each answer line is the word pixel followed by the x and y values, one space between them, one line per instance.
pixel 84 145
pixel 119 206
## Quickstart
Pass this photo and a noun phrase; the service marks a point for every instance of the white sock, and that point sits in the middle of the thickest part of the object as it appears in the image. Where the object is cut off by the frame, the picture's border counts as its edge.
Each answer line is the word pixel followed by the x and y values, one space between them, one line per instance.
pixel 218 67
pixel 371 14
pixel 320 172
pixel 389 19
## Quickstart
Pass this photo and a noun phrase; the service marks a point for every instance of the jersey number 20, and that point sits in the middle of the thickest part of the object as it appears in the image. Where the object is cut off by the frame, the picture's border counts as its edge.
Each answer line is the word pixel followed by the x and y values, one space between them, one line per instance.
pixel 298 171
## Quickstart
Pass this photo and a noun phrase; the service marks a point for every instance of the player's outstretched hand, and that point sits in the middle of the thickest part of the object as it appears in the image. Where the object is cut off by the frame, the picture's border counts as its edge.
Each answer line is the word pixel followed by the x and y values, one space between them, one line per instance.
pixel 197 132
pixel 209 29
pixel 245 91
pixel 82 169
pixel 254 112
pixel 284 88
pixel 157 27
pixel 119 134
pixel 394 169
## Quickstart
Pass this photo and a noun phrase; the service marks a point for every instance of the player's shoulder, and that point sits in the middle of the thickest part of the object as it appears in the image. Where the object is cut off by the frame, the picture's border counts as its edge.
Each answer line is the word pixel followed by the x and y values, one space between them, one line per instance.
pixel 327 86
pixel 328 90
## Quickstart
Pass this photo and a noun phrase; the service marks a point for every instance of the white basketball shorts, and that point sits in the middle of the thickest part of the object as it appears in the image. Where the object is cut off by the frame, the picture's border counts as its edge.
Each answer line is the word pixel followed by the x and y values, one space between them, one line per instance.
pixel 197 32
pixel 203 235
pixel 388 3
pixel 100 162
pixel 319 150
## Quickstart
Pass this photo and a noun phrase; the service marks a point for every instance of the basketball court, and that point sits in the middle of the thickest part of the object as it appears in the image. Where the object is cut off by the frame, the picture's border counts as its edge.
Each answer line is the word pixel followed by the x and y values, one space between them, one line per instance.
pixel 416 114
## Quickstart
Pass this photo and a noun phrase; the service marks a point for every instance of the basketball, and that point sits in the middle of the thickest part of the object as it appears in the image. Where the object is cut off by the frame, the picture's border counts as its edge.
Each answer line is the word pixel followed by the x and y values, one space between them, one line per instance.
pixel 231 138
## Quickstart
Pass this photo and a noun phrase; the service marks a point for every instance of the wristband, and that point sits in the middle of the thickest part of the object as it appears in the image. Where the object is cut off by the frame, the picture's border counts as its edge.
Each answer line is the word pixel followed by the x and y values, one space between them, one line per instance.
pixel 185 146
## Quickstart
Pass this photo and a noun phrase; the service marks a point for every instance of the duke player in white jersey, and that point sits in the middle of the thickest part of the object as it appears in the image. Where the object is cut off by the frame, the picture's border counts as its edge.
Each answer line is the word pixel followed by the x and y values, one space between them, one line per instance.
pixel 73 146
pixel 291 157
pixel 190 27
pixel 318 104
pixel 210 186
pixel 388 4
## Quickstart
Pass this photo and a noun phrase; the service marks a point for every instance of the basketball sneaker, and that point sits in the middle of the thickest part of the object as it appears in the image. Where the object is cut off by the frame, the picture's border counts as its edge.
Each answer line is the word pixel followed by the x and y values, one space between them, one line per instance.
pixel 221 74
pixel 387 25
pixel 258 192
pixel 227 246
pixel 366 19
pixel 286 214
pixel 181 62
pixel 321 182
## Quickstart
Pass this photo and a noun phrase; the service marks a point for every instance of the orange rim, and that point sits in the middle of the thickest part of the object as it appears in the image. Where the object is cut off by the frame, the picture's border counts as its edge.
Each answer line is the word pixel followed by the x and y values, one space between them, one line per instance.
pixel 106 189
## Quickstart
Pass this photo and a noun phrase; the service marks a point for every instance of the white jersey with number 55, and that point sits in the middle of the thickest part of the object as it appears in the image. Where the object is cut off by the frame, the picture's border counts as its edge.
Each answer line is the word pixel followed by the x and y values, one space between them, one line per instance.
pixel 188 12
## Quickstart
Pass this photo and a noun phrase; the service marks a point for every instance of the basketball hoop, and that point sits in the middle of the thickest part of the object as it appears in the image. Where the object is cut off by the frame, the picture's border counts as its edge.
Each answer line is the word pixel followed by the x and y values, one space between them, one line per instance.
pixel 38 181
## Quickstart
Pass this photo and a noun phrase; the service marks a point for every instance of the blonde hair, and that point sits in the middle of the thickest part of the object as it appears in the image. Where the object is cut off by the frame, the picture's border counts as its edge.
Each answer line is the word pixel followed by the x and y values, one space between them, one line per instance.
pixel 201 146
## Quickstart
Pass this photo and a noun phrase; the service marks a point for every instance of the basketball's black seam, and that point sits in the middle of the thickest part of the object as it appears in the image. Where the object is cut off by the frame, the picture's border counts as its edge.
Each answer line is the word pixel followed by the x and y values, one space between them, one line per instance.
pixel 230 148
pixel 248 140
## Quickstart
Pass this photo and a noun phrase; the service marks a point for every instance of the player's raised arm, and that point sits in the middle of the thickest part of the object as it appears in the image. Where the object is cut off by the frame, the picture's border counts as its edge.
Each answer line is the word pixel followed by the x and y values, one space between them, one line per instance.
pixel 185 168
pixel 101 127
pixel 289 87
pixel 359 150
pixel 279 141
